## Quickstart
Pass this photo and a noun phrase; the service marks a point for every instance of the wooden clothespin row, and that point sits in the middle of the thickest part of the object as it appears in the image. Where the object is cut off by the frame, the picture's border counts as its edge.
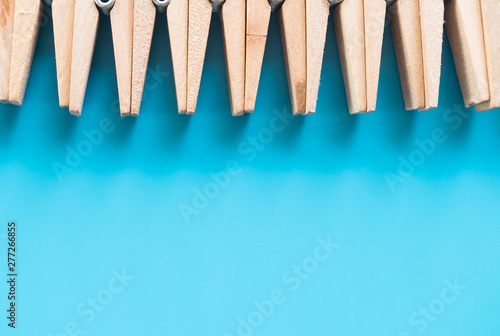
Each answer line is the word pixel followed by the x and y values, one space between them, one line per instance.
pixel 359 27
pixel 75 31
pixel 473 31
pixel 244 27
pixel 132 24
pixel 417 31
pixel 19 26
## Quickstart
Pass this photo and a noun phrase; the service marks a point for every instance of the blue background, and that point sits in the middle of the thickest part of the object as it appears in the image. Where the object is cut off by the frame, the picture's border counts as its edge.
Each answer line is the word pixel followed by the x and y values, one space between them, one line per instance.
pixel 322 176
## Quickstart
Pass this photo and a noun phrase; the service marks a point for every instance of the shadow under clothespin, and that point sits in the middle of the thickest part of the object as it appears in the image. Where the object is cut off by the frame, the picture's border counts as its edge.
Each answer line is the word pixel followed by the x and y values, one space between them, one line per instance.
pixel 473 31
pixel 417 31
pixel 19 27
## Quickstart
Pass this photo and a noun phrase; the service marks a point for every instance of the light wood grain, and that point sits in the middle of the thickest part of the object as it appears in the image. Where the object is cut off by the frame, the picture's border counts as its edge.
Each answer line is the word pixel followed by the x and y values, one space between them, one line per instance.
pixel 490 10
pixel 431 22
pixel 292 18
pixel 122 27
pixel 63 14
pixel 84 36
pixel 258 16
pixel 374 18
pixel 317 12
pixel 6 27
pixel 144 22
pixel 405 26
pixel 200 15
pixel 233 15
pixel 465 32
pixel 177 20
pixel 349 29
pixel 27 18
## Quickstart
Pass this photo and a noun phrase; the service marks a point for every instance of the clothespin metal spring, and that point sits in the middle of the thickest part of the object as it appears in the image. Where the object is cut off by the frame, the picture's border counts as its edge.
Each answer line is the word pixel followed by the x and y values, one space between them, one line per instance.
pixel 107 5
pixel 217 5
pixel 161 5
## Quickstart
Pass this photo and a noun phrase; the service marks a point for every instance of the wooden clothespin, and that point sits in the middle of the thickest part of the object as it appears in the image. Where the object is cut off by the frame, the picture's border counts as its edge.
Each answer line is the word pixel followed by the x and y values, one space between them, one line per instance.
pixel 258 15
pixel 233 18
pixel 417 31
pixel 303 26
pixel 198 22
pixel 177 20
pixel 19 26
pixel 132 24
pixel 473 31
pixel 244 26
pixel 75 32
pixel 188 25
pixel 359 26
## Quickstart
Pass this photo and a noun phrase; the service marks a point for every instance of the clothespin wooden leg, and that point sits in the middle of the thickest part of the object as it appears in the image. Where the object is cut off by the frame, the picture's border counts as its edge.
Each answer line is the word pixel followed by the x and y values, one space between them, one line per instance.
pixel 63 14
pixel 233 15
pixel 200 15
pixel 27 18
pixel 144 21
pixel 490 10
pixel 359 26
pixel 465 32
pixel 374 15
pixel 349 28
pixel 75 32
pixel 431 18
pixel 177 20
pixel 317 12
pixel 292 18
pixel 84 36
pixel 6 27
pixel 258 16
pixel 417 30
pixel 406 32
pixel 122 26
